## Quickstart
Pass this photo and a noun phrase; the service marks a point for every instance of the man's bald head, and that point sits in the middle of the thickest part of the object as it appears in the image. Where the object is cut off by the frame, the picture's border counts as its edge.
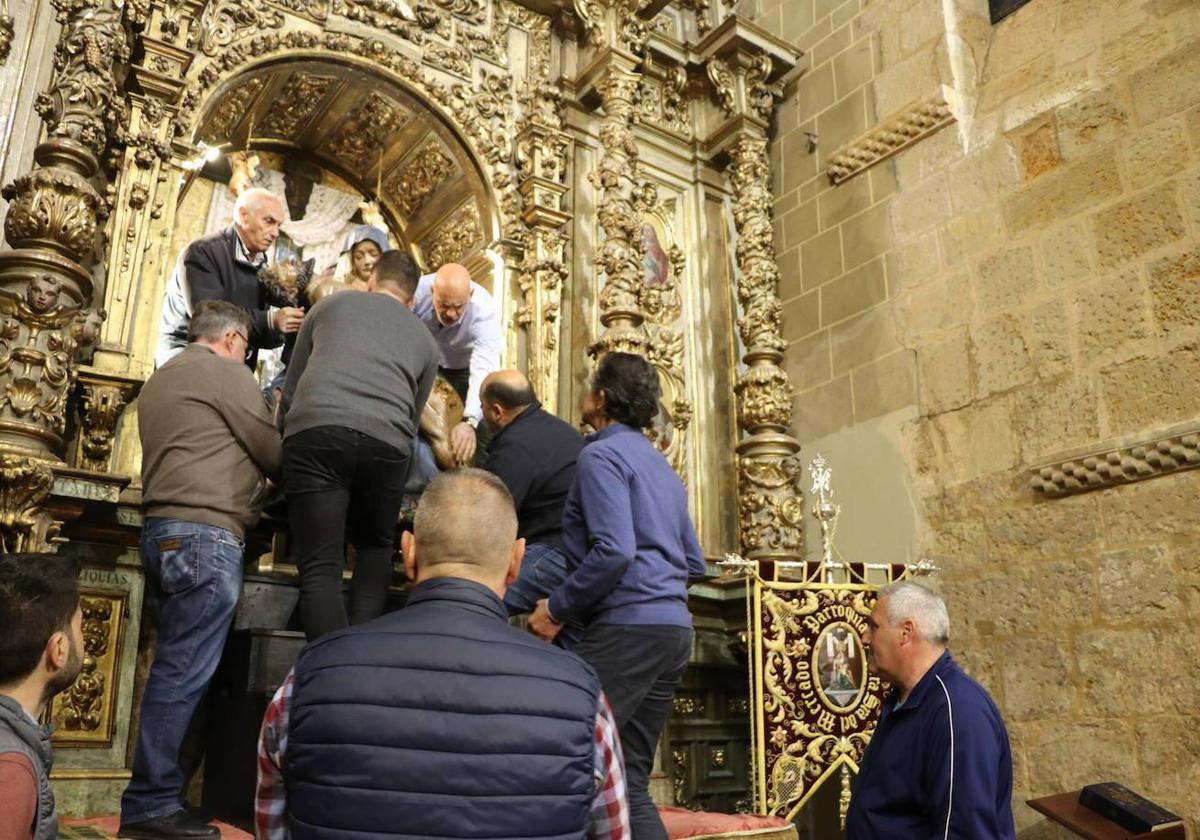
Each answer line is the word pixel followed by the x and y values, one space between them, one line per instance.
pixel 451 293
pixel 466 527
pixel 504 395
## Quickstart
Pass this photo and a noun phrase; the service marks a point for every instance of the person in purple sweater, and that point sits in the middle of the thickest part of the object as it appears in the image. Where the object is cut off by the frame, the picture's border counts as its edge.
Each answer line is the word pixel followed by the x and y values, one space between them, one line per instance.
pixel 631 551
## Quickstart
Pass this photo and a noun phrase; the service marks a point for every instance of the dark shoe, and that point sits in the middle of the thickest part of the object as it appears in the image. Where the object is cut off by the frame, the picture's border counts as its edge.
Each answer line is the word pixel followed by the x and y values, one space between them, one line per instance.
pixel 177 826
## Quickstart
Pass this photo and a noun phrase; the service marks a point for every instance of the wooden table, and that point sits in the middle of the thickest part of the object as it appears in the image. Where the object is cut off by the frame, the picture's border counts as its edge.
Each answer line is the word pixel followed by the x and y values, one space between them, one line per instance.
pixel 1064 809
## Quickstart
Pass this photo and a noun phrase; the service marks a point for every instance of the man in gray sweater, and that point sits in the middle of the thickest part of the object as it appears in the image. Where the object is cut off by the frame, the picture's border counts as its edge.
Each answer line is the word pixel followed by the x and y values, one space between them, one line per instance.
pixel 360 374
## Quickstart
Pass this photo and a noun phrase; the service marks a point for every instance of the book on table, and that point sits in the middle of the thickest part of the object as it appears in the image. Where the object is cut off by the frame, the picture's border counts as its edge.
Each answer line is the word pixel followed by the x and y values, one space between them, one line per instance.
pixel 1115 802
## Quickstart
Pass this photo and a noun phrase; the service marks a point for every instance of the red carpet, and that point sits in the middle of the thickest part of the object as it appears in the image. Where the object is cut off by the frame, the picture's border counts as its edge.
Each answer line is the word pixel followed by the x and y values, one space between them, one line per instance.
pixel 105 828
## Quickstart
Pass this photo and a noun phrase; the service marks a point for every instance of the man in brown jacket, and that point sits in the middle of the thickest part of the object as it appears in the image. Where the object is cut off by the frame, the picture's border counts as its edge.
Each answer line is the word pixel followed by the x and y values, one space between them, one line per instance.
pixel 207 442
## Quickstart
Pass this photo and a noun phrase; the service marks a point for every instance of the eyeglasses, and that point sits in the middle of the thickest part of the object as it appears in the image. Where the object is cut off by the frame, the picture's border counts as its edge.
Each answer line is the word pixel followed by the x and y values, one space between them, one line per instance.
pixel 245 340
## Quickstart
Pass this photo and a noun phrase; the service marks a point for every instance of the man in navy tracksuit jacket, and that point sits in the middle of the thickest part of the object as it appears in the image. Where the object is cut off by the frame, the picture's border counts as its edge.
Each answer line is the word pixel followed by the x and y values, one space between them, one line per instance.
pixel 938 765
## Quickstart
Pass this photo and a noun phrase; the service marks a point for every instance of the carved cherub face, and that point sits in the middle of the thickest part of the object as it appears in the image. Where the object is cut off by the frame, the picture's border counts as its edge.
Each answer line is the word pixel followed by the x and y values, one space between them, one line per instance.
pixel 89 329
pixel 42 293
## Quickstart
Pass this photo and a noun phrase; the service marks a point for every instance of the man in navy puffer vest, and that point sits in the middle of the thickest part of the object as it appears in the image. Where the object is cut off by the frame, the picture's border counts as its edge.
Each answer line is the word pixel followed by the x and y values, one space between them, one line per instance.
pixel 441 720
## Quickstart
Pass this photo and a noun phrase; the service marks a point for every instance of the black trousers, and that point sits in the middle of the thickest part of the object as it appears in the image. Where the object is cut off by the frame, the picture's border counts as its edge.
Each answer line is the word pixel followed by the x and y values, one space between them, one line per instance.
pixel 640 666
pixel 333 477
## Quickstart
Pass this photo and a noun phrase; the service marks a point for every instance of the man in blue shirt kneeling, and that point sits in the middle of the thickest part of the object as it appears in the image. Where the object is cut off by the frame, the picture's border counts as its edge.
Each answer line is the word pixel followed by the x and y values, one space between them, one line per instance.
pixel 938 764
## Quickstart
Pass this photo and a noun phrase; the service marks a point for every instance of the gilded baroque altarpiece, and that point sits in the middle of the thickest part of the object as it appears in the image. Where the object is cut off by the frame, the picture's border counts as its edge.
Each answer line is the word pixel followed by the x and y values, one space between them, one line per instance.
pixel 600 165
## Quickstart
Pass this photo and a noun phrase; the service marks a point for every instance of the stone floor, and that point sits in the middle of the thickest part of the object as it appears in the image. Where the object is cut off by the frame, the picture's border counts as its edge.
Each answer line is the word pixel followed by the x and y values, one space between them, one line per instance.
pixel 105 828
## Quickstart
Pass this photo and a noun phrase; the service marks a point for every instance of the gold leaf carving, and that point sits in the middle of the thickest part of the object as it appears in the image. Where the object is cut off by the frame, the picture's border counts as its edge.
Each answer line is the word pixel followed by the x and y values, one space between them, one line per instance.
pixel 454 238
pixel 83 103
pixel 53 208
pixel 7 30
pixel 24 487
pixel 225 21
pixel 230 111
pixel 361 135
pixel 453 59
pixel 300 98
pixel 722 80
pixel 420 178
pixel 84 713
pixel 474 11
pixel 770 510
pixel 101 408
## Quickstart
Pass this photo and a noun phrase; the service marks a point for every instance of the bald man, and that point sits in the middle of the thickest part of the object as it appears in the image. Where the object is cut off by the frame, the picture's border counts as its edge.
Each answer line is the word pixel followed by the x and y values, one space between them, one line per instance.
pixel 533 453
pixel 440 720
pixel 224 266
pixel 465 323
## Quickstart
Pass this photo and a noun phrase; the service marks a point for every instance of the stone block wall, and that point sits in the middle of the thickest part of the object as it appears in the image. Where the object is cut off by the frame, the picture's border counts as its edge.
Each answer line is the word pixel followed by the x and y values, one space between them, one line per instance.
pixel 1023 282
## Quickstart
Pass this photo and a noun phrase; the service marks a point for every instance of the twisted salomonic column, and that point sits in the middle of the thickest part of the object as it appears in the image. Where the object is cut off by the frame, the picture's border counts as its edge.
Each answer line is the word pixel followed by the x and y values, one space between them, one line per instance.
pixel 744 66
pixel 45 280
pixel 770 508
pixel 619 256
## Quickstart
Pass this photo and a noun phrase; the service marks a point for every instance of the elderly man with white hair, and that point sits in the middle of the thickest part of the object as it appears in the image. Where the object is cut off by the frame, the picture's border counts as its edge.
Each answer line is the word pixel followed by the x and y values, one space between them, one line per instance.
pixel 938 764
pixel 224 266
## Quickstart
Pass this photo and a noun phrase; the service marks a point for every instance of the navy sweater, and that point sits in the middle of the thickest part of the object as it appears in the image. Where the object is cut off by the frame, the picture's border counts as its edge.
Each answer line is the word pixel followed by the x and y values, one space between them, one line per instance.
pixel 629 541
pixel 939 766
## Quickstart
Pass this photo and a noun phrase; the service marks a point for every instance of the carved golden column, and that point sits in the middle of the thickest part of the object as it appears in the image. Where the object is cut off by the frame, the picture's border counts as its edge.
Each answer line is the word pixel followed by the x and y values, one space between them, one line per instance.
pixel 616 37
pixel 45 280
pixel 770 507
pixel 542 151
pixel 143 193
pixel 743 62
pixel 619 255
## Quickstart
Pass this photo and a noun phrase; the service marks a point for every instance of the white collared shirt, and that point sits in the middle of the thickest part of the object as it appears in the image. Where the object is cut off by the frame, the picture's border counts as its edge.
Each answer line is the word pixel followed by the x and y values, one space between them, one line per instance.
pixel 472 342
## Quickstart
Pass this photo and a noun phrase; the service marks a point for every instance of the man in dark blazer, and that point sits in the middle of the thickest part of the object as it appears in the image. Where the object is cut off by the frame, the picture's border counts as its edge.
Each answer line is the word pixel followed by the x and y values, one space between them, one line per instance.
pixel 533 453
pixel 224 266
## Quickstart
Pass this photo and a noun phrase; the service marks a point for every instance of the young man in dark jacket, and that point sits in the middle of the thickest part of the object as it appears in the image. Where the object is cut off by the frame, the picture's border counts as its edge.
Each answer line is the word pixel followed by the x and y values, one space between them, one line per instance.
pixel 41 654
pixel 939 763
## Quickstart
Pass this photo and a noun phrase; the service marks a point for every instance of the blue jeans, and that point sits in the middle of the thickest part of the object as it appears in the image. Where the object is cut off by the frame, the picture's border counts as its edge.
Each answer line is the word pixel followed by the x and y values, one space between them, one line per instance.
pixel 543 570
pixel 193 578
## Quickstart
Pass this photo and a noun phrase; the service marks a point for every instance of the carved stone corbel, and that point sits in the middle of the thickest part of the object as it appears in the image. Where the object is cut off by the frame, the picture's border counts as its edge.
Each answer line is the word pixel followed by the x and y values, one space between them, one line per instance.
pixel 45 281
pixel 744 65
pixel 102 401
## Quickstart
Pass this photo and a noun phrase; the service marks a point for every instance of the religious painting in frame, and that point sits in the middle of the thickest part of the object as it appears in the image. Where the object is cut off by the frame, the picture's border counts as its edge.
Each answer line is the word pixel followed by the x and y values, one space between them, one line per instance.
pixel 660 300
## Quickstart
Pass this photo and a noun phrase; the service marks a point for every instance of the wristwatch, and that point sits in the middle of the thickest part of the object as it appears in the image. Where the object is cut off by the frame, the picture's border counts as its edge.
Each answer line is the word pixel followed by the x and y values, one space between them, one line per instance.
pixel 473 422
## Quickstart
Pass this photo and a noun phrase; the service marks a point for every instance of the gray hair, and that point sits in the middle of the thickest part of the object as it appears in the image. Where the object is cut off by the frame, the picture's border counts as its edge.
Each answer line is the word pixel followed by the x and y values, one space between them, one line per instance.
pixel 908 600
pixel 253 198
pixel 214 318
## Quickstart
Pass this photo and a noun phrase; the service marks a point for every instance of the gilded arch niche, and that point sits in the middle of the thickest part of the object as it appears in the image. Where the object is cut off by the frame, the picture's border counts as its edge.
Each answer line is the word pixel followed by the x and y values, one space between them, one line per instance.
pixel 375 134
pixel 497 131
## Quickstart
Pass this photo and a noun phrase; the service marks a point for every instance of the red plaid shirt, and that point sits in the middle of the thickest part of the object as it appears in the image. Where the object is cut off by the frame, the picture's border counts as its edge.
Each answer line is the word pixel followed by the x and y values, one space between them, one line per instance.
pixel 609 819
